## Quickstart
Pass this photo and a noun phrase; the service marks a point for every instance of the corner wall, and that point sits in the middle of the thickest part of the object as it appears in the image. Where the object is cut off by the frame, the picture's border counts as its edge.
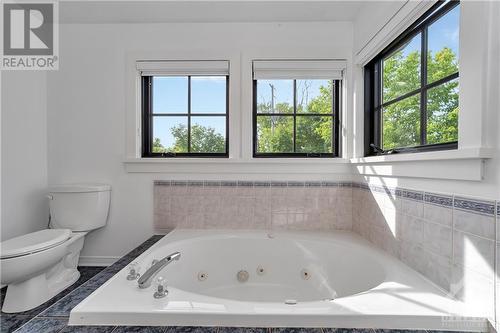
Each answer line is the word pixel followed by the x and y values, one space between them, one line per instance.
pixel 448 230
pixel 24 208
pixel 451 240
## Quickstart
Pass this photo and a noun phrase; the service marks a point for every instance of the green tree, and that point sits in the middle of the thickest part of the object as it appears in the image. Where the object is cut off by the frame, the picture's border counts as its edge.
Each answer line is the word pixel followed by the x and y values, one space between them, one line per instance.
pixel 157 146
pixel 401 120
pixel 203 140
pixel 314 133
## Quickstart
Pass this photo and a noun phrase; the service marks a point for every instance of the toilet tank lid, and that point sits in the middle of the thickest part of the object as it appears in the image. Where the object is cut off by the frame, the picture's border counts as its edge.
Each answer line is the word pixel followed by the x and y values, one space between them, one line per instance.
pixel 33 242
pixel 78 188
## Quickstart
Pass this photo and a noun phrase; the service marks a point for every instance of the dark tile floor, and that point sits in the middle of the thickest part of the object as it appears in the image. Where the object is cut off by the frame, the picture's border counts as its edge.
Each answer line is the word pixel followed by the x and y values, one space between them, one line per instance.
pixel 52 316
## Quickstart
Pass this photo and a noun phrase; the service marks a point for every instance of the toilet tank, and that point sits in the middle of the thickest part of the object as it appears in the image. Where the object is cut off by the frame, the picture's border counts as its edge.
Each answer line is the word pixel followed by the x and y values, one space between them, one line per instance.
pixel 79 207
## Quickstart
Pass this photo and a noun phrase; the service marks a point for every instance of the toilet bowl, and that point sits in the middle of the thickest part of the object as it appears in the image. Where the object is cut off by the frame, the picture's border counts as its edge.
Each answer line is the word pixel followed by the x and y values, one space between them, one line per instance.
pixel 37 266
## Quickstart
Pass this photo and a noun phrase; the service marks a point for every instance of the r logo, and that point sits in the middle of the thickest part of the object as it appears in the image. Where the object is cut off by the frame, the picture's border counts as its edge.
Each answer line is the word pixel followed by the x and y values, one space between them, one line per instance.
pixel 28 29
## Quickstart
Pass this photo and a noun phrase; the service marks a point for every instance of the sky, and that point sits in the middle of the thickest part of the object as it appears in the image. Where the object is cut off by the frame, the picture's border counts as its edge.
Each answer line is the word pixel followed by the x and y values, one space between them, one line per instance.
pixel 170 95
pixel 283 90
pixel 208 94
pixel 442 33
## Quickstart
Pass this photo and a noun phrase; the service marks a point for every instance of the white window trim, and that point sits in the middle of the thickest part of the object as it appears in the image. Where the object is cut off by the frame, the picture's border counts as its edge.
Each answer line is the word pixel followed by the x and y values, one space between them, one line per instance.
pixel 465 163
pixel 240 160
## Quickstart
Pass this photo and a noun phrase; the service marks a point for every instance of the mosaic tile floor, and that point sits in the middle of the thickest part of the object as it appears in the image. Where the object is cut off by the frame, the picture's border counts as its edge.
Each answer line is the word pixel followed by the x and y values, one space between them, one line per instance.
pixel 52 316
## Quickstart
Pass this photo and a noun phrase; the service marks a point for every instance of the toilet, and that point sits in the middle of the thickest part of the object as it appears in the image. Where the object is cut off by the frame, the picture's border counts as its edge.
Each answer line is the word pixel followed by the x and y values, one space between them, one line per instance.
pixel 37 266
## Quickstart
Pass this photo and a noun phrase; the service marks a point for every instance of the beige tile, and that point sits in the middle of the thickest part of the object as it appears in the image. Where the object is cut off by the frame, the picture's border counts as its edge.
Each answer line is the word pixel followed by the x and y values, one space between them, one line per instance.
pixel 178 190
pixel 279 204
pixel 412 229
pixel 474 253
pixel 438 239
pixel 438 269
pixel 195 204
pixel 177 219
pixel 474 289
pixel 195 221
pixel 279 220
pixel 438 214
pixel 479 225
pixel 414 208
pixel 179 204
pixel 414 256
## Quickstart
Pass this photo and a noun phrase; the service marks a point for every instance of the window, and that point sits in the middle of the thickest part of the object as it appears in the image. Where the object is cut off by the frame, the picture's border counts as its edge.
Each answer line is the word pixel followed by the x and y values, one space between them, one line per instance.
pixel 411 87
pixel 296 108
pixel 185 109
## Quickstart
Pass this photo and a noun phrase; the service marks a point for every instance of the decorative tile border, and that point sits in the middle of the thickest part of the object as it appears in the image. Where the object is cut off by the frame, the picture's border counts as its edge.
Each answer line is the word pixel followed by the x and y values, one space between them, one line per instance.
pixel 482 207
pixel 413 195
pixel 472 205
pixel 234 183
pixel 438 199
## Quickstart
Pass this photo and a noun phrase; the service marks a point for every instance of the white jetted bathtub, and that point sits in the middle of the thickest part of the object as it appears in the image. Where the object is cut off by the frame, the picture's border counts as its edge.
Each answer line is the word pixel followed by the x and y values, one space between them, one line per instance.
pixel 257 278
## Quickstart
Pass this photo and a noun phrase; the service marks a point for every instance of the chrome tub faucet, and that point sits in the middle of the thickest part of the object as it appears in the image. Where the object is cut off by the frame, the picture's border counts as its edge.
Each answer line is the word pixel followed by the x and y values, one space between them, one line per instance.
pixel 148 276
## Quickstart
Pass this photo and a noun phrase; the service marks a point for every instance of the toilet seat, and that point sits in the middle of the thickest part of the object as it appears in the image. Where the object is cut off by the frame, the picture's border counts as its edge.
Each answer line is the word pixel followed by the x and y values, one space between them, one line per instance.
pixel 33 242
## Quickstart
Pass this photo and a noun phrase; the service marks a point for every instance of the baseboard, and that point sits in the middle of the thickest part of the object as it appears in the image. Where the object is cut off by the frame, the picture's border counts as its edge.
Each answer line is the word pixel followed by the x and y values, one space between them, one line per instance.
pixel 96 260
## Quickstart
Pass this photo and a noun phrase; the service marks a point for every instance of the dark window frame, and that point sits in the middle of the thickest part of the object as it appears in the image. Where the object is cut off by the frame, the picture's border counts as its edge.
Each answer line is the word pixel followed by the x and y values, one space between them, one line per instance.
pixel 336 138
pixel 147 121
pixel 373 89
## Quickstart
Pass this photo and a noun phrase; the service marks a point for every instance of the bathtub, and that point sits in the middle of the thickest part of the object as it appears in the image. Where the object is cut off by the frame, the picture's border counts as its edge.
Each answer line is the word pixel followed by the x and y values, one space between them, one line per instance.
pixel 294 279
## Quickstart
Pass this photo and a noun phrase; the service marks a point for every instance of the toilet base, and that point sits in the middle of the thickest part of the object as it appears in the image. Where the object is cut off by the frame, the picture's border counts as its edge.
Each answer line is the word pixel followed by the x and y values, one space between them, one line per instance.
pixel 28 294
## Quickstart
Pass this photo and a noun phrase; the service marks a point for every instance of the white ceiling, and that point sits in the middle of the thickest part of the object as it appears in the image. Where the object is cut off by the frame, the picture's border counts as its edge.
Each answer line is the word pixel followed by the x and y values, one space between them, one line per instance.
pixel 206 11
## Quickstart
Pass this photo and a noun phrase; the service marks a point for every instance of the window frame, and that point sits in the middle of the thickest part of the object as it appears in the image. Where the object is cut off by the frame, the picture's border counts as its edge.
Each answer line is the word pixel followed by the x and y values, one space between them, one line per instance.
pixel 336 140
pixel 147 120
pixel 373 88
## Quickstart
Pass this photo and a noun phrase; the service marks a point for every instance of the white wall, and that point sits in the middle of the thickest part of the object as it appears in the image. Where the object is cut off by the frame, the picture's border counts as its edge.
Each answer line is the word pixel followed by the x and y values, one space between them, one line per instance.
pixel 23 153
pixel 87 103
pixel 479 72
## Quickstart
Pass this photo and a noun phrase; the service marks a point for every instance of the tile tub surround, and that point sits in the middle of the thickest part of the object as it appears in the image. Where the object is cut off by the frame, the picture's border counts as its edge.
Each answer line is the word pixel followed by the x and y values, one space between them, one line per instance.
pixel 449 239
pixel 294 205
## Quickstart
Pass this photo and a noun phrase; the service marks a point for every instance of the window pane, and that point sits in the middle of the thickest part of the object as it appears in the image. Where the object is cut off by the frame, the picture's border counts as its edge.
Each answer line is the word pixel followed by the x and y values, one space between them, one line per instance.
pixel 170 134
pixel 208 134
pixel 275 134
pixel 170 94
pixel 442 113
pixel 314 96
pixel 401 70
pixel 401 123
pixel 314 134
pixel 208 94
pixel 443 36
pixel 275 96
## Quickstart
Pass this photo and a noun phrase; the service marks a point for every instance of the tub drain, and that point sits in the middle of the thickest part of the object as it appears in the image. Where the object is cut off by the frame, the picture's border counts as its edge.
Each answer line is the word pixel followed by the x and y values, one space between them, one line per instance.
pixel 260 270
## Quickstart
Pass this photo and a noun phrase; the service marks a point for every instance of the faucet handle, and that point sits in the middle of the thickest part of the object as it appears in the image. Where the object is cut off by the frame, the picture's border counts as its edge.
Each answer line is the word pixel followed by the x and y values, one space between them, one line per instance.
pixel 133 271
pixel 161 287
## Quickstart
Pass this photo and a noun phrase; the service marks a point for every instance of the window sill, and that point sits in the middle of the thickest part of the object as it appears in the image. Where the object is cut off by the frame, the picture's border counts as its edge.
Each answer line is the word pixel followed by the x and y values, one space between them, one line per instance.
pixel 434 165
pixel 460 154
pixel 238 166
